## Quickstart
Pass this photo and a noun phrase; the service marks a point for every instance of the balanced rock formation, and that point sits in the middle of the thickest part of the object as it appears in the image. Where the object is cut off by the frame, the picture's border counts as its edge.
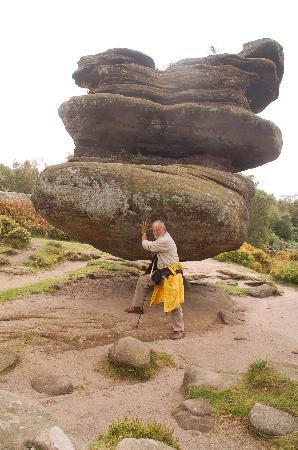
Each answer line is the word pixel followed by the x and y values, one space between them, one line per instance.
pixel 164 144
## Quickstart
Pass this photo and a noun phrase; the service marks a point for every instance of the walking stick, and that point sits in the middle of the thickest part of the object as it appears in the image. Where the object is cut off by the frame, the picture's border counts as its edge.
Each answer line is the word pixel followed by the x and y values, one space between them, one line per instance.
pixel 145 297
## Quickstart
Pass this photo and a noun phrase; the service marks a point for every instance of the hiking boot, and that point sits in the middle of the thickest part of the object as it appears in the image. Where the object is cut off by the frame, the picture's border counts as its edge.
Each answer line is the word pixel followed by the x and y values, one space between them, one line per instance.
pixel 134 309
pixel 177 335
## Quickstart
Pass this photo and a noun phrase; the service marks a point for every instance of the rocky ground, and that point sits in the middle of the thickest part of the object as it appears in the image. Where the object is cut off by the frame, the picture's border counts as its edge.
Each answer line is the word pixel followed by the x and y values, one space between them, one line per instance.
pixel 69 332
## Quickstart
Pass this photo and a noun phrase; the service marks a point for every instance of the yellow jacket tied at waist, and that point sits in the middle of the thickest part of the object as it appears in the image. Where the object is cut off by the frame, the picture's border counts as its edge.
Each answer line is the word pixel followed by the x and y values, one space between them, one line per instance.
pixel 171 291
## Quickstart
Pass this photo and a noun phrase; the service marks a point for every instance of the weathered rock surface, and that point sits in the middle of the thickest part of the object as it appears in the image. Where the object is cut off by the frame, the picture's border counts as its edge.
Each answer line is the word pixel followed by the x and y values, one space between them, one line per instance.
pixel 52 384
pixel 8 358
pixel 198 377
pixel 129 351
pixel 24 424
pixel 287 369
pixel 222 136
pixel 206 210
pixel 271 421
pixel 142 444
pixel 163 144
pixel 265 290
pixel 5 195
pixel 195 415
pixel 230 317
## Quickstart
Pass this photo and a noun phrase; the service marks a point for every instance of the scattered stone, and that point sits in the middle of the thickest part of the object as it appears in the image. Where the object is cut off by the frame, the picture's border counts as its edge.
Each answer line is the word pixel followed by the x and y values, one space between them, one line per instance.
pixel 199 407
pixel 142 444
pixel 254 283
pixel 52 384
pixel 195 415
pixel 8 358
pixel 295 351
pixel 289 370
pixel 265 290
pixel 129 351
pixel 198 377
pixel 240 338
pixel 230 317
pixel 235 275
pixel 15 270
pixel 25 423
pixel 271 421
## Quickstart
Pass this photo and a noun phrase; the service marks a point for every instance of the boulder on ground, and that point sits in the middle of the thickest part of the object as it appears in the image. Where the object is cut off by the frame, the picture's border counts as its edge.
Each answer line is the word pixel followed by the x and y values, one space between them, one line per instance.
pixel 52 384
pixel 142 444
pixel 129 351
pixel 195 415
pixel 8 358
pixel 265 290
pixel 203 378
pixel 287 369
pixel 25 424
pixel 230 317
pixel 271 421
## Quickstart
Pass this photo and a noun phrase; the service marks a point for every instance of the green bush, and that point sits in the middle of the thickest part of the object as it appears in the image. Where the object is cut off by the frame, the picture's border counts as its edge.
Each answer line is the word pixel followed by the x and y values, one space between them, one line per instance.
pixel 19 237
pixel 134 428
pixel 249 256
pixel 285 271
pixel 7 224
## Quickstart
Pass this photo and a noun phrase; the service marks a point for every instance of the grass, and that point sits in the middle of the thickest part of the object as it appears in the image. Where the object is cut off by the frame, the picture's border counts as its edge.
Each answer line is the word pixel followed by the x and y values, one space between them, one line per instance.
pixel 54 252
pixel 286 443
pixel 157 361
pixel 231 289
pixel 260 384
pixel 134 428
pixel 51 284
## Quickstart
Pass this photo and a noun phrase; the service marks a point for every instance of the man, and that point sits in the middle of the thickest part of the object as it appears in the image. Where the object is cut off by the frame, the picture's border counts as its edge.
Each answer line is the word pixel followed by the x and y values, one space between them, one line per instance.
pixel 170 291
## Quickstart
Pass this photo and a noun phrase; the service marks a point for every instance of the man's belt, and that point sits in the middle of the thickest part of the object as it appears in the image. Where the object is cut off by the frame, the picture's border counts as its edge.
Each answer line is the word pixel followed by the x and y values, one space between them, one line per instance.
pixel 159 275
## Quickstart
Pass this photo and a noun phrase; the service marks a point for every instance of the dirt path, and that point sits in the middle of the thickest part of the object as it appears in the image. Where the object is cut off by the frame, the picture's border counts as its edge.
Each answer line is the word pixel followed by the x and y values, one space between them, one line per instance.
pixel 83 317
pixel 8 281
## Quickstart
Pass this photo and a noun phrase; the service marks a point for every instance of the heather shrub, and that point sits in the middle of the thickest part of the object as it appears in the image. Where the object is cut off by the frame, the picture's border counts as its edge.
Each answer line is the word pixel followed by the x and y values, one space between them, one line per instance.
pixel 249 256
pixel 19 237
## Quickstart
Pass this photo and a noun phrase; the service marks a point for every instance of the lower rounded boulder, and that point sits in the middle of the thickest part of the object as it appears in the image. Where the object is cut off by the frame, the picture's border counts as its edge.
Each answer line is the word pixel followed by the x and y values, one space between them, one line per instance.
pixel 205 209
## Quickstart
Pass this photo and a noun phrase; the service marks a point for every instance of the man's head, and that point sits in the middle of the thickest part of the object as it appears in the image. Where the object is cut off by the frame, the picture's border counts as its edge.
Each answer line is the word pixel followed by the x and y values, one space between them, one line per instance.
pixel 158 228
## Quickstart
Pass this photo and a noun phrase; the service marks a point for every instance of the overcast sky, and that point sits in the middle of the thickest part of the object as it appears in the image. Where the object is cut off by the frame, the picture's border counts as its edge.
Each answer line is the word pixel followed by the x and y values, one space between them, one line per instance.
pixel 42 41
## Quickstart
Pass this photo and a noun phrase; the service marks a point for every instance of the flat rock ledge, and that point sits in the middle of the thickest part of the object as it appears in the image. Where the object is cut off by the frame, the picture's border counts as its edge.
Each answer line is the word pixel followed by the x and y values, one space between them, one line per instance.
pixel 195 415
pixel 142 444
pixel 52 384
pixel 272 421
pixel 129 351
pixel 24 423
pixel 202 378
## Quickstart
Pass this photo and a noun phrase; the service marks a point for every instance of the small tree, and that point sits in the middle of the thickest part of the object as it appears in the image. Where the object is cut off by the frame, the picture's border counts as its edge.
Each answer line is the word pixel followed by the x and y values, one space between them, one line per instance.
pixel 283 227
pixel 20 178
pixel 263 211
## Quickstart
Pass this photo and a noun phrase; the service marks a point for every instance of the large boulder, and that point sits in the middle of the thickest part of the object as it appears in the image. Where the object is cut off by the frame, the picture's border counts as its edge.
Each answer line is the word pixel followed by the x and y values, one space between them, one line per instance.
pixel 206 210
pixel 272 421
pixel 164 144
pixel 25 424
pixel 129 351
